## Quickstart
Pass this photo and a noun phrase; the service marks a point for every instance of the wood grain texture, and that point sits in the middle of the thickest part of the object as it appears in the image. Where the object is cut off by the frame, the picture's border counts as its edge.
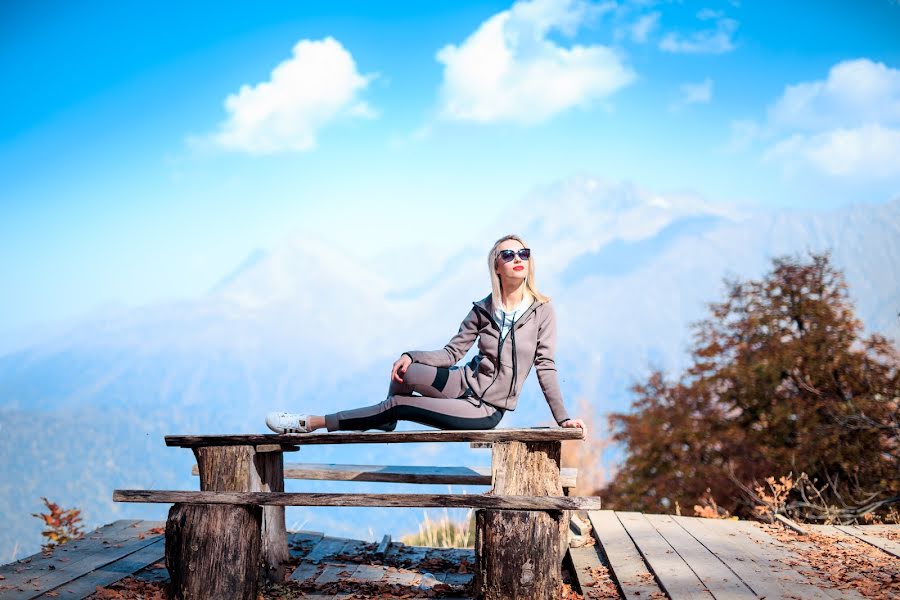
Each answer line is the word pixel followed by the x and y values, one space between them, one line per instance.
pixel 627 567
pixel 673 574
pixel 267 475
pixel 212 551
pixel 531 434
pixel 519 554
pixel 31 580
pixel 873 539
pixel 400 474
pixel 387 500
pixel 721 581
pixel 243 469
pixel 86 585
pixel 765 568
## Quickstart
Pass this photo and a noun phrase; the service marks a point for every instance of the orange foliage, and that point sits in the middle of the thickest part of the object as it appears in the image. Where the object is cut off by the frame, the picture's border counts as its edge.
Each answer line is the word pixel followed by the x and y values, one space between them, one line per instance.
pixel 61 525
pixel 781 380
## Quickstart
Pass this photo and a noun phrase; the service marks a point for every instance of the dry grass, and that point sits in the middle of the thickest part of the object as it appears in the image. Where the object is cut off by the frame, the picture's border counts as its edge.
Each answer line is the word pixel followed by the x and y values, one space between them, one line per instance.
pixel 444 533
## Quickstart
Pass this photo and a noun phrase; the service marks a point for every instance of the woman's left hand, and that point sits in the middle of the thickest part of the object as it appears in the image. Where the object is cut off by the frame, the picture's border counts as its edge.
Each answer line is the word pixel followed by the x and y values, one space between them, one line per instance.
pixel 575 423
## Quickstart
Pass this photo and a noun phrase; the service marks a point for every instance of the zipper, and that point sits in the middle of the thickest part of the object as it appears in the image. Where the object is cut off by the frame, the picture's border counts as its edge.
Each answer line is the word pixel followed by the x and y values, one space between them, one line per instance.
pixel 515 325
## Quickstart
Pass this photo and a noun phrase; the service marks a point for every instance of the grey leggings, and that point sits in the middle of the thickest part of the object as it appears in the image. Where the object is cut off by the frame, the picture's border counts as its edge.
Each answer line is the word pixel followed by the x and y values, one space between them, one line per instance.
pixel 444 403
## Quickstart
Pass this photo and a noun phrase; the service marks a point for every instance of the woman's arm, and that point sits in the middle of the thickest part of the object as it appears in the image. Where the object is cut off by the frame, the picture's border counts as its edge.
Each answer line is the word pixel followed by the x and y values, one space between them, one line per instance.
pixel 545 364
pixel 455 349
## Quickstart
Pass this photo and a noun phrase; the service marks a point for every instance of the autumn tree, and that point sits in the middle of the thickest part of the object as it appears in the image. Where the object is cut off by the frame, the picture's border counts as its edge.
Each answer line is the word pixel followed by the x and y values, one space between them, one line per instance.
pixel 781 382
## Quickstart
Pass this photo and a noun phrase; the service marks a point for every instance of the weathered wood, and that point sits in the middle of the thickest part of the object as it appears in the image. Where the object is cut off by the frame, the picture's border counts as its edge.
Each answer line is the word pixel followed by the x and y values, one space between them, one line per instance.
pixel 28 569
pixel 882 543
pixel 584 559
pixel 268 476
pixel 383 545
pixel 674 575
pixel 86 585
pixel 789 524
pixel 400 474
pixel 536 503
pixel 213 551
pixel 721 581
pixel 519 554
pixel 531 434
pixel 841 545
pixel 328 546
pixel 758 559
pixel 30 580
pixel 627 567
pixel 242 469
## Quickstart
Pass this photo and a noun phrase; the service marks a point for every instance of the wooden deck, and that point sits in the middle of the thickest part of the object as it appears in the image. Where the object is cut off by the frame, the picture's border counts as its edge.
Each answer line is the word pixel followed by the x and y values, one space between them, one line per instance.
pixel 623 555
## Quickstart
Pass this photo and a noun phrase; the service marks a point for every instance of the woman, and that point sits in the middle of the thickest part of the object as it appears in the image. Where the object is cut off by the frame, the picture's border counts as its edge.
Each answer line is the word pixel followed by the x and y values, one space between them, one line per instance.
pixel 514 322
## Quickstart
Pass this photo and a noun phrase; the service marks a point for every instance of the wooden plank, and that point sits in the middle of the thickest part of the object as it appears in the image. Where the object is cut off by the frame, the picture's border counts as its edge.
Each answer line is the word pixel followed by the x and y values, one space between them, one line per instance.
pixel 782 554
pixel 84 586
pixel 626 565
pixel 400 473
pixel 583 559
pixel 307 570
pixel 29 567
pixel 802 544
pixel 882 543
pixel 399 576
pixel 390 500
pixel 121 544
pixel 721 581
pixel 335 572
pixel 383 545
pixel 673 574
pixel 530 434
pixel 764 569
pixel 879 528
pixel 368 573
pixel 327 547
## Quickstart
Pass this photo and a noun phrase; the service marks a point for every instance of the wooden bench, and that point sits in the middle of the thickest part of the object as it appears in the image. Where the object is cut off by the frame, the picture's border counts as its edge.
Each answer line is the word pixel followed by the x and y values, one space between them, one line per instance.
pixel 237 517
pixel 402 474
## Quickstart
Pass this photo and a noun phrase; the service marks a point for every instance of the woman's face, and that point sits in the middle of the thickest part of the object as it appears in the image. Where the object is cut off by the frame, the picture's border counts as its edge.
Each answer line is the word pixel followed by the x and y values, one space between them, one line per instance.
pixel 514 271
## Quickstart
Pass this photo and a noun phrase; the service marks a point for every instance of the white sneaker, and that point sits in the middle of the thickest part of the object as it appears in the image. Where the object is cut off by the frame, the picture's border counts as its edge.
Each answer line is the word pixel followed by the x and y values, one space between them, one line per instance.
pixel 282 422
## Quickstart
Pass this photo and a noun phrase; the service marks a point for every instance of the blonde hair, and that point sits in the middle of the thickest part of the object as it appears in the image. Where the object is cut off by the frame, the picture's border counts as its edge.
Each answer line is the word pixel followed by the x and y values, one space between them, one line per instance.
pixel 496 297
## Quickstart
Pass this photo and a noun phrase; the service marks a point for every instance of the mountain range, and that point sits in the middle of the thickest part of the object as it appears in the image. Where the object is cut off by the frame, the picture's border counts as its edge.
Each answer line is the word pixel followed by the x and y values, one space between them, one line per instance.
pixel 83 408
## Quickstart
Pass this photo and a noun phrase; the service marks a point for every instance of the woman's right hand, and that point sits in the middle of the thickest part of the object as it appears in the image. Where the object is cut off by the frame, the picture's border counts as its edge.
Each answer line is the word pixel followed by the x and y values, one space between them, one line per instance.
pixel 400 366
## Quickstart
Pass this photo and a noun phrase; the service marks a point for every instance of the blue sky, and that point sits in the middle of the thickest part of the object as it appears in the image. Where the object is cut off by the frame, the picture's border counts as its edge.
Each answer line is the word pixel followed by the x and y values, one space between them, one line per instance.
pixel 127 178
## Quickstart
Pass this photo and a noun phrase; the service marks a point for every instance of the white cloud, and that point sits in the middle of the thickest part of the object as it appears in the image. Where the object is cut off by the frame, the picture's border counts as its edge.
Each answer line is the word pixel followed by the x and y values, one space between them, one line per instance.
pixel 855 92
pixel 707 41
pixel 644 26
pixel 695 93
pixel 847 125
pixel 869 151
pixel 509 70
pixel 318 84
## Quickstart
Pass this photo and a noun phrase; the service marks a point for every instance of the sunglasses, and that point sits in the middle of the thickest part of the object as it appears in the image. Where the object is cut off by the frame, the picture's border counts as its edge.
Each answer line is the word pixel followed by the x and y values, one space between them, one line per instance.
pixel 507 255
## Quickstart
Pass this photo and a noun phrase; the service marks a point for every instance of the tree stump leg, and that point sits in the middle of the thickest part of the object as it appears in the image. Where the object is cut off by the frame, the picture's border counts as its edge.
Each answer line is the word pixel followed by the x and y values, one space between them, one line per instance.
pixel 212 551
pixel 268 476
pixel 518 553
pixel 250 469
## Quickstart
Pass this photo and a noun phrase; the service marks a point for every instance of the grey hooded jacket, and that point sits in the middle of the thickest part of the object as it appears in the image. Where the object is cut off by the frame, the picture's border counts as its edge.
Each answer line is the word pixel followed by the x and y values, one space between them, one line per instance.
pixel 496 374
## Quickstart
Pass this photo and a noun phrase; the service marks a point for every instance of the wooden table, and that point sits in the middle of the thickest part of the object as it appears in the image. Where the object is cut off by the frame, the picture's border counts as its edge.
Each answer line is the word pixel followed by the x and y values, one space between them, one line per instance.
pixel 520 524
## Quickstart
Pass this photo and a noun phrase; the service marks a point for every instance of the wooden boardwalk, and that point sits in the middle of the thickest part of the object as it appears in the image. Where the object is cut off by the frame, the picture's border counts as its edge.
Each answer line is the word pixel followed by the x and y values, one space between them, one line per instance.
pixel 623 555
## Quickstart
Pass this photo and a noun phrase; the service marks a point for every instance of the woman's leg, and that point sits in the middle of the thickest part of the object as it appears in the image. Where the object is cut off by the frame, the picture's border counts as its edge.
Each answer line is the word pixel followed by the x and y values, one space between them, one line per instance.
pixel 439 406
pixel 442 413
